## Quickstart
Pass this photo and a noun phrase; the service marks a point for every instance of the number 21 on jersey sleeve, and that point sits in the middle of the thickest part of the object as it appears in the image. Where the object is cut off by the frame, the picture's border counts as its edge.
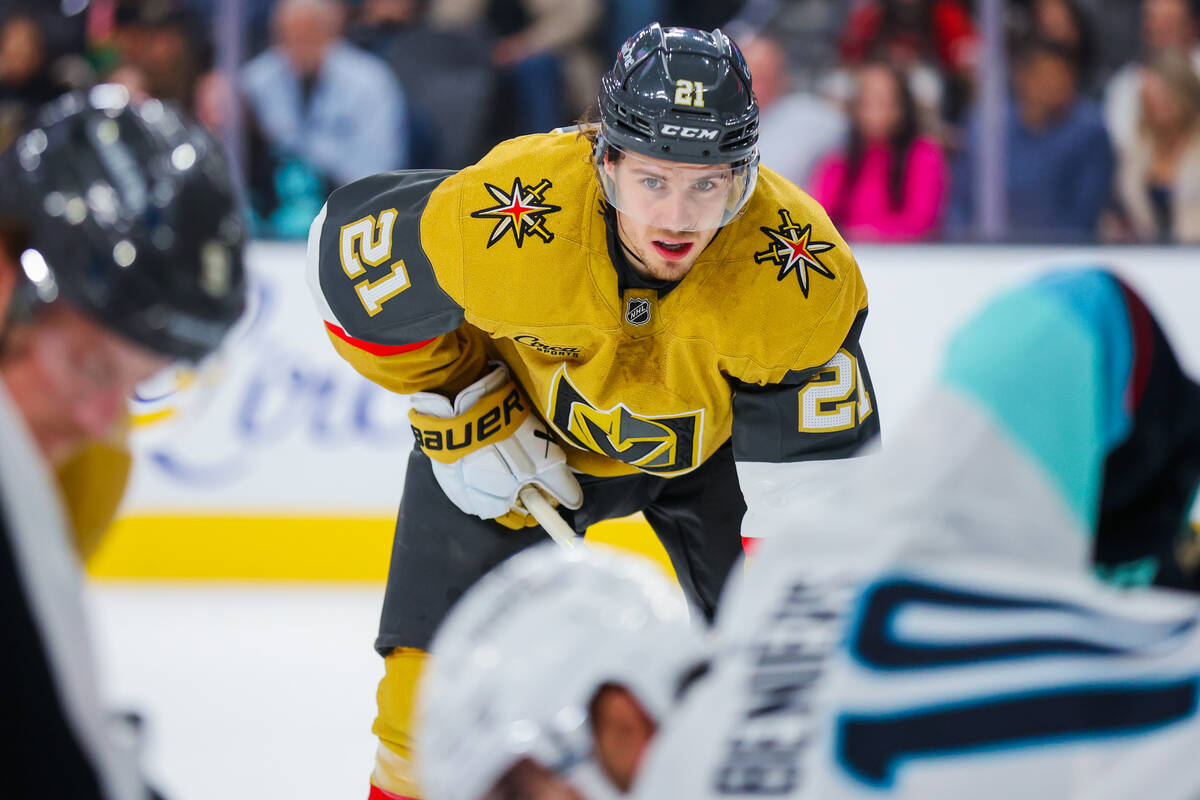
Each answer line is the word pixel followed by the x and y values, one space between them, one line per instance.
pixel 367 242
pixel 835 403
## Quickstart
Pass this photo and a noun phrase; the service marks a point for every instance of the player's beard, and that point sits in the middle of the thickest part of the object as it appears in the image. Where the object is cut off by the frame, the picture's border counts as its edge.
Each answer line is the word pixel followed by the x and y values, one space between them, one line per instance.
pixel 650 265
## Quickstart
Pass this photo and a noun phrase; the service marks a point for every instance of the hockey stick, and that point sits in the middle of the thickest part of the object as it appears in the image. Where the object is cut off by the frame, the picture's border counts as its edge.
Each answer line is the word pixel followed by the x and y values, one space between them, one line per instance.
pixel 537 505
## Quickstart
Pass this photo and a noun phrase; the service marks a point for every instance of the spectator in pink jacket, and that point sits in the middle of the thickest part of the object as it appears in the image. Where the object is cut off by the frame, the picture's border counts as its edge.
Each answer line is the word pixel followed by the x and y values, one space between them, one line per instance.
pixel 889 182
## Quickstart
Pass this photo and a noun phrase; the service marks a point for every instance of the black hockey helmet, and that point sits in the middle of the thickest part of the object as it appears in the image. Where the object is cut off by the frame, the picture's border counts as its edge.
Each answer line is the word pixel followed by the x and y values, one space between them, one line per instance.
pixel 680 94
pixel 127 212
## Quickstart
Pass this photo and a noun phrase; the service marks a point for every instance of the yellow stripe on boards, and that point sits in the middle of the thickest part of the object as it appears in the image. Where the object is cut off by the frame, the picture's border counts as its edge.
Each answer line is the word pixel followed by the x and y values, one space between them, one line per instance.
pixel 285 548
pixel 297 548
pixel 153 417
pixel 634 534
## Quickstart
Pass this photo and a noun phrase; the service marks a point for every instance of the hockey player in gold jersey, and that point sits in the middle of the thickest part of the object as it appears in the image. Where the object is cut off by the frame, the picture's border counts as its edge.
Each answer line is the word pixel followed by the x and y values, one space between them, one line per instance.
pixel 631 316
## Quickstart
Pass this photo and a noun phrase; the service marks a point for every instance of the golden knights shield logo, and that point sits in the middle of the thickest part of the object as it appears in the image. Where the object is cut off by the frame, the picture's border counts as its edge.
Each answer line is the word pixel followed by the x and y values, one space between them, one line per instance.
pixel 521 212
pixel 792 249
pixel 663 445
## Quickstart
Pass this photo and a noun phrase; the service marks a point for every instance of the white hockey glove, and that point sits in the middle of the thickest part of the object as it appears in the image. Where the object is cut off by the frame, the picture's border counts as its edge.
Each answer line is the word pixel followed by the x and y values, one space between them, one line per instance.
pixel 487 445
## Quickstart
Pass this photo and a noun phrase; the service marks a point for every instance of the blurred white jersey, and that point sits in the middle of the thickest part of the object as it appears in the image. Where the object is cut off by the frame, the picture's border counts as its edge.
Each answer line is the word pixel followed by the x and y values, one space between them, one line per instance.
pixel 936 631
pixel 959 680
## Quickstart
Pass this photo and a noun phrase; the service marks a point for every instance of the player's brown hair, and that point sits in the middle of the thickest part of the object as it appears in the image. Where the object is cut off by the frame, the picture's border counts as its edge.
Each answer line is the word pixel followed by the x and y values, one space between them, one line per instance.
pixel 589 128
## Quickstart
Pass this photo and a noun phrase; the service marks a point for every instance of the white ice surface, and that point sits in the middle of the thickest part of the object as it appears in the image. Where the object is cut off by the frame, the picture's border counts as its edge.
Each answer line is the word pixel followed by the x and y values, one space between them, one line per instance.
pixel 250 692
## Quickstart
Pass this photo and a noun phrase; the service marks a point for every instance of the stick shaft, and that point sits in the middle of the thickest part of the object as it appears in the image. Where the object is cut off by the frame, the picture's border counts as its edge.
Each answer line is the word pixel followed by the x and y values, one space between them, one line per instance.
pixel 537 505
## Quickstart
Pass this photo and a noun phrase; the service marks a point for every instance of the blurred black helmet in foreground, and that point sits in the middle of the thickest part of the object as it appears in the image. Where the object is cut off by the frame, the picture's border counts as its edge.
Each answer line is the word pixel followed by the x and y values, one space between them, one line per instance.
pixel 127 212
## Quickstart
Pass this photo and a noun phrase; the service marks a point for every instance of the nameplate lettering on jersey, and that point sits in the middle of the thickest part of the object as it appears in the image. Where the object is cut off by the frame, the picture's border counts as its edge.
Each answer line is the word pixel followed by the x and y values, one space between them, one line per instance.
pixel 521 212
pixel 661 444
pixel 793 249
pixel 552 350
pixel 494 417
pixel 790 655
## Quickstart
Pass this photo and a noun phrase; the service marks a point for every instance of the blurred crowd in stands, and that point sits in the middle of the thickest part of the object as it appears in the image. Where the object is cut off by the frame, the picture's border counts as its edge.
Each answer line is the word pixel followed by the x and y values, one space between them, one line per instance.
pixel 870 105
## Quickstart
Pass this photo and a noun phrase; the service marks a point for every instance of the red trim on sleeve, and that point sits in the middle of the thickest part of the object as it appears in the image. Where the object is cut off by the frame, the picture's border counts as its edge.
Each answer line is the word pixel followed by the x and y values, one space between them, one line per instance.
pixel 381 794
pixel 1142 329
pixel 750 544
pixel 371 347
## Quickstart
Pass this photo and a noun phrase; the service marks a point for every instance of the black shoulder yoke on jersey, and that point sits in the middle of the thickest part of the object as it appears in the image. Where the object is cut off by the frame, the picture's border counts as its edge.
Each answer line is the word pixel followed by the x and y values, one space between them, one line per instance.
pixel 423 310
pixel 764 427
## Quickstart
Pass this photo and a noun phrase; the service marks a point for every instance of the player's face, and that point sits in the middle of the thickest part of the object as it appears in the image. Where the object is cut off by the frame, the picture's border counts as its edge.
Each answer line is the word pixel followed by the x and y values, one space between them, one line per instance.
pixel 622 731
pixel 71 378
pixel 528 780
pixel 668 212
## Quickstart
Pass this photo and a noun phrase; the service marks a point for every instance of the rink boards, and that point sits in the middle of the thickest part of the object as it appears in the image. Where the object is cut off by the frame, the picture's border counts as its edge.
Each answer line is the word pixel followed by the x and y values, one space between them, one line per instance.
pixel 285 548
pixel 280 462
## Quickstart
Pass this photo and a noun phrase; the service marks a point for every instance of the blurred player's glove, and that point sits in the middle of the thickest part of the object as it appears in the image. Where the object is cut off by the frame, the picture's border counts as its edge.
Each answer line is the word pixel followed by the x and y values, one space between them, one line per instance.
pixel 487 445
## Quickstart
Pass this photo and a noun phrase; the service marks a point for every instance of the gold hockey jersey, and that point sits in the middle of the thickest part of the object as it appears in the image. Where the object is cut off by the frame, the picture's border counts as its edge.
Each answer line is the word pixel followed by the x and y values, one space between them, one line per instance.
pixel 422 276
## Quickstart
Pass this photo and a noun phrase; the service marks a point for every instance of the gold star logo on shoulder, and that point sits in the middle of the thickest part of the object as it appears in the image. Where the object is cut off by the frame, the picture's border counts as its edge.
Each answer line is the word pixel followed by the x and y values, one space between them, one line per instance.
pixel 793 249
pixel 522 211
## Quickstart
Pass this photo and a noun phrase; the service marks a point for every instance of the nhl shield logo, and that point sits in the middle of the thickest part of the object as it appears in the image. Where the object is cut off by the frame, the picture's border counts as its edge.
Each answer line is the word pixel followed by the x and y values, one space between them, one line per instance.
pixel 637 311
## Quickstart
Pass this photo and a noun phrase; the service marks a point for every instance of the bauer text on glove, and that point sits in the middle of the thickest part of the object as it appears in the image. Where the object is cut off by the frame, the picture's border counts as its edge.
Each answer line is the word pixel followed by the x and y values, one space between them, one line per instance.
pixel 486 445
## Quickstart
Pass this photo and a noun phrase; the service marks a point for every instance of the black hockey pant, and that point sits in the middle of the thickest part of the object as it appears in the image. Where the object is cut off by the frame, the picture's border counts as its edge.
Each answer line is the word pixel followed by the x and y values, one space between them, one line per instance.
pixel 439 551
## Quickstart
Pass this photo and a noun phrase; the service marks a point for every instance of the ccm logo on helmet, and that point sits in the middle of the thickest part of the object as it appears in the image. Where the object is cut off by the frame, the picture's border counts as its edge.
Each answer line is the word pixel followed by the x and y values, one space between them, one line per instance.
pixel 681 132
